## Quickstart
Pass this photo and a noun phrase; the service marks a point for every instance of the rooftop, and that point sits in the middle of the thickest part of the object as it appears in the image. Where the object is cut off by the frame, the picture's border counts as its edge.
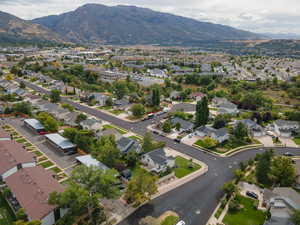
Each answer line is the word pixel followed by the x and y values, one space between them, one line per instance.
pixel 60 141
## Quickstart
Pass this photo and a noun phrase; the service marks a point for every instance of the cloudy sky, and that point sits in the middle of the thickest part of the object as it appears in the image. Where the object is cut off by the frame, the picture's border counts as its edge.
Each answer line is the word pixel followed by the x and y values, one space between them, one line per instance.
pixel 276 16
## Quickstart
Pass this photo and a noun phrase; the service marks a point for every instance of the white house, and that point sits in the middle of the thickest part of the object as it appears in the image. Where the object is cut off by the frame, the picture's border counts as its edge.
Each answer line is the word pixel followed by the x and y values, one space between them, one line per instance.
pixel 157 160
pixel 254 129
pixel 219 135
pixel 100 98
pixel 284 128
pixel 91 124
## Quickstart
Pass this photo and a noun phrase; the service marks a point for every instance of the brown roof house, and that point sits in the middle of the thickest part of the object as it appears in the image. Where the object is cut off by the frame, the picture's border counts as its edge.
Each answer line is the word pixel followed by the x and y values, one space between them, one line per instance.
pixel 14 157
pixel 31 188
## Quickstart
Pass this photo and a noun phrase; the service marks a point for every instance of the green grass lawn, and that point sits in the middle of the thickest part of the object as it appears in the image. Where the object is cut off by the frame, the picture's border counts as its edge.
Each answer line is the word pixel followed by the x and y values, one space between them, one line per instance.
pixel 297 141
pixel 170 220
pixel 117 112
pixel 183 167
pixel 46 164
pixel 56 170
pixel 6 215
pixel 136 138
pixel 37 153
pixel 105 107
pixel 120 130
pixel 248 215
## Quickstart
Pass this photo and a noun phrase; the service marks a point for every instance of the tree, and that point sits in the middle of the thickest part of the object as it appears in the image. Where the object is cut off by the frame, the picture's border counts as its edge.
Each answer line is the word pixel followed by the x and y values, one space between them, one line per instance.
pixel 140 188
pixel 48 121
pixel 68 107
pixel 147 142
pixel 138 110
pixel 202 112
pixel 177 126
pixel 239 174
pixel 283 171
pixel 109 102
pixel 240 131
pixel 22 85
pixel 55 96
pixel 167 126
pixel 81 117
pixel 21 214
pixel 219 122
pixel 155 97
pixel 86 186
pixel 9 77
pixel 120 88
pixel 209 143
pixel 296 217
pixel 263 167
pixel 106 151
pixel 229 188
pixel 23 107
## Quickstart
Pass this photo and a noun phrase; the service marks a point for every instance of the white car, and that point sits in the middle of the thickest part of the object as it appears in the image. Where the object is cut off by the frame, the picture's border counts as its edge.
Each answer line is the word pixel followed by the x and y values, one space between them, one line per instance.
pixel 181 222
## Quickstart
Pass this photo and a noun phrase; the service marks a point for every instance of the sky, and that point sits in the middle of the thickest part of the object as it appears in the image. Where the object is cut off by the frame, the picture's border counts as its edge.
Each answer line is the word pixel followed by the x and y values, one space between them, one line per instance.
pixel 261 16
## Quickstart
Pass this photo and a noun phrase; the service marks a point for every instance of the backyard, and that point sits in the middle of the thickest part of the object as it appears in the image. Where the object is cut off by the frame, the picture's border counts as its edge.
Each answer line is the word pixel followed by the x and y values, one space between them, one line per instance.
pixel 6 215
pixel 247 215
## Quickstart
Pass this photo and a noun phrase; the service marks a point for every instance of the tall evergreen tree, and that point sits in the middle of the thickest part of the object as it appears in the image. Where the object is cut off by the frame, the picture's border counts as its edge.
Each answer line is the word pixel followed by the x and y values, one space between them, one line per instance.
pixel 155 97
pixel 202 112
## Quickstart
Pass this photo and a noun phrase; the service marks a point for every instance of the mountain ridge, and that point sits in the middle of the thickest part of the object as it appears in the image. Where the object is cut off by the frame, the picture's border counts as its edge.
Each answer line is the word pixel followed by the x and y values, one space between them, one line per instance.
pixel 97 23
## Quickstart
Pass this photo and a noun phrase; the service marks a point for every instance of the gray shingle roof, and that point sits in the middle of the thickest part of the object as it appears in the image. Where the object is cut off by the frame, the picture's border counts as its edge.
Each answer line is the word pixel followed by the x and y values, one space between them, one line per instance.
pixel 159 156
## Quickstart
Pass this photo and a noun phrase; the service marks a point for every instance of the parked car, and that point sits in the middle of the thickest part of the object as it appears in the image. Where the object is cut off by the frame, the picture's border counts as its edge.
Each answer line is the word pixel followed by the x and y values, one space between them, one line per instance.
pixel 288 154
pixel 252 194
pixel 181 222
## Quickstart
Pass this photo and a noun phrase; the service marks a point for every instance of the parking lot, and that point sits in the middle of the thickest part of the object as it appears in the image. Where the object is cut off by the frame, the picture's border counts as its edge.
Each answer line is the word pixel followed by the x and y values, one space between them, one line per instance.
pixel 66 162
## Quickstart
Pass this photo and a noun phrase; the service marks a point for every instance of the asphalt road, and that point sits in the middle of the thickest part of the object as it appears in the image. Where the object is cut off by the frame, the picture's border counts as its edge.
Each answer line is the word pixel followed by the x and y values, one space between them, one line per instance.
pixel 194 201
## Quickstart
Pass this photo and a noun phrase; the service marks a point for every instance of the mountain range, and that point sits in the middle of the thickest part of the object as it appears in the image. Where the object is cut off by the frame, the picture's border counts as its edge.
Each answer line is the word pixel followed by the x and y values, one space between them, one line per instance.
pixel 14 30
pixel 95 23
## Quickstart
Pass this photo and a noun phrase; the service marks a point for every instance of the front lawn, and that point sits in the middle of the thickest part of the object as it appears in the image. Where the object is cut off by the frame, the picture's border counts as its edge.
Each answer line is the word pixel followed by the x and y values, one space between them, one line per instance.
pixel 297 140
pixel 247 215
pixel 6 215
pixel 170 220
pixel 120 130
pixel 117 112
pixel 184 167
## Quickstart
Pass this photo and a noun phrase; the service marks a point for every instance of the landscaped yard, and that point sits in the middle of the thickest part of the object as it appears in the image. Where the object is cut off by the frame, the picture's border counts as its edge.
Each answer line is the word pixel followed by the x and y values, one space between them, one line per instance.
pixel 136 138
pixel 46 164
pixel 117 112
pixel 120 130
pixel 297 140
pixel 6 215
pixel 170 220
pixel 247 215
pixel 184 167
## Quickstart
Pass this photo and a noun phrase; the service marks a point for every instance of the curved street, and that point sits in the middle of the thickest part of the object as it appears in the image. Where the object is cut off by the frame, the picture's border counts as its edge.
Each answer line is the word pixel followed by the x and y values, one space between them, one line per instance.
pixel 194 201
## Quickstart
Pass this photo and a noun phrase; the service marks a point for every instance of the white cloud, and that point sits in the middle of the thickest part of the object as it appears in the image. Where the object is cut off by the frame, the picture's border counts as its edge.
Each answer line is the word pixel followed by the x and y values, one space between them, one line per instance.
pixel 255 15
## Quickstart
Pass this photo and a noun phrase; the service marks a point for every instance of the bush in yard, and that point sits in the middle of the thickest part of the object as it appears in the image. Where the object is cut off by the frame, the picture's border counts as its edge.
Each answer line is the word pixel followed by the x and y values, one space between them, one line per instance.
pixel 138 110
pixel 234 206
pixel 209 143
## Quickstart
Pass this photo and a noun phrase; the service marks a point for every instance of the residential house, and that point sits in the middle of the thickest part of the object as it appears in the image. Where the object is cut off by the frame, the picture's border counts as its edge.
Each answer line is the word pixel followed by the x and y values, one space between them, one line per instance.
pixel 254 129
pixel 225 107
pixel 100 98
pixel 14 157
pixel 281 203
pixel 197 96
pixel 185 126
pixel 175 95
pixel 157 73
pixel 219 135
pixel 108 132
pixel 31 188
pixel 89 161
pixel 157 160
pixel 70 118
pixel 126 145
pixel 217 101
pixel 285 128
pixel 122 104
pixel 91 124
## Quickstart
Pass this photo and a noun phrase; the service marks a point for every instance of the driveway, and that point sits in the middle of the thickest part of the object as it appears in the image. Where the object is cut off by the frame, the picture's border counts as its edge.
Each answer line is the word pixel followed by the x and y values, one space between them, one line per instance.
pixel 63 161
pixel 190 140
pixel 288 142
pixel 266 141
